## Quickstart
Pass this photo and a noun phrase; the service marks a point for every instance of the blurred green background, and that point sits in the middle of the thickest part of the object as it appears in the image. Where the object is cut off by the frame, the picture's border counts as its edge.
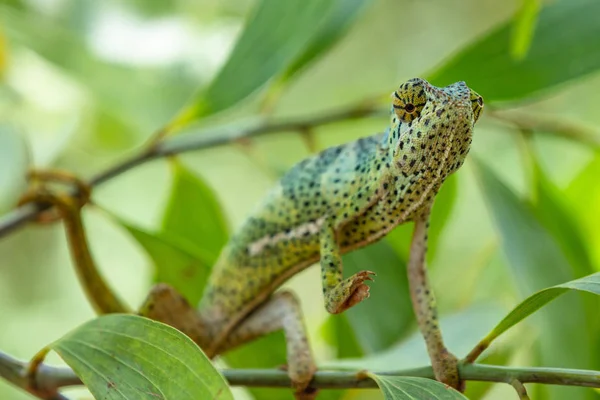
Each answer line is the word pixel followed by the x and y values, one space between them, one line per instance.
pixel 84 83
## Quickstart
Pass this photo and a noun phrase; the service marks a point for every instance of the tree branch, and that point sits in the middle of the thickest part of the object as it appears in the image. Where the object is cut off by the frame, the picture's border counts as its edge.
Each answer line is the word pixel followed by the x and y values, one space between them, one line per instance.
pixel 195 140
pixel 207 138
pixel 525 121
pixel 48 379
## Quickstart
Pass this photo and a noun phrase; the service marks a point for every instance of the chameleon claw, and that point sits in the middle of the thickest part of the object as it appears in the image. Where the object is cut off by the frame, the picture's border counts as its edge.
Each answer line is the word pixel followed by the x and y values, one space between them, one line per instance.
pixel 349 292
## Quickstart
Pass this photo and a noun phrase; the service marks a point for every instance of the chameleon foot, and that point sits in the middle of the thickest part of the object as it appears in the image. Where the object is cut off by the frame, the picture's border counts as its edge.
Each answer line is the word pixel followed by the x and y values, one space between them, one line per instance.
pixel 301 377
pixel 446 370
pixel 348 293
pixel 306 394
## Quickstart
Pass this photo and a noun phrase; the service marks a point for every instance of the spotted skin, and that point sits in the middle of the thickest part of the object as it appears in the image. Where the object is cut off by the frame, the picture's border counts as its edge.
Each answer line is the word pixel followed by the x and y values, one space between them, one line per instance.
pixel 334 202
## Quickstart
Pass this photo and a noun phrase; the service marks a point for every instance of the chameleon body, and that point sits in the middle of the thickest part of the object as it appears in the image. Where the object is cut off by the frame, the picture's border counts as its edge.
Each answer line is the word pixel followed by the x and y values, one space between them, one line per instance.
pixel 334 202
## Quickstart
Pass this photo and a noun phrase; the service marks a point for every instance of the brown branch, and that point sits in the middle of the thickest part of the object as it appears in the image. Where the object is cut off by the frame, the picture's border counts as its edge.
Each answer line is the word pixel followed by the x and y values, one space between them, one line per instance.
pixel 524 121
pixel 195 140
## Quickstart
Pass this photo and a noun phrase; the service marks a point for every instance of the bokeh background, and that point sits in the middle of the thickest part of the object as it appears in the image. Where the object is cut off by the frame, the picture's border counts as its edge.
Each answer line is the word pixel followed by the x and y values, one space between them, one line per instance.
pixel 86 83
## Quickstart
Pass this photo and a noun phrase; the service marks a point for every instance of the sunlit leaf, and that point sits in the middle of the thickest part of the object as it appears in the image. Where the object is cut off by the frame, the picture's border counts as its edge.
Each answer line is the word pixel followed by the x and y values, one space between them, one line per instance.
pixel 130 357
pixel 185 268
pixel 14 163
pixel 376 324
pixel 276 33
pixel 412 388
pixel 564 47
pixel 193 213
pixel 524 27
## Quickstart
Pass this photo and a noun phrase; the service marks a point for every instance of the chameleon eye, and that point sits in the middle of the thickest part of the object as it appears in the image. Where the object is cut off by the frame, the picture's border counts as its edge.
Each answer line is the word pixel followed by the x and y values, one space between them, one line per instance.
pixel 477 104
pixel 408 101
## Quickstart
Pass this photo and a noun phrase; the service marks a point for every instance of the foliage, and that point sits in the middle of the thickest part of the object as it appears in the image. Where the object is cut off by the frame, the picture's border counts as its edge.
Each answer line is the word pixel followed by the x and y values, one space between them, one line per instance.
pixel 531 195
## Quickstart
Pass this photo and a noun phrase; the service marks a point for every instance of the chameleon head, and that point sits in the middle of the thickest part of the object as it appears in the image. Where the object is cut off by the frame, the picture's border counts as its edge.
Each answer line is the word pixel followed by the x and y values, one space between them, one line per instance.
pixel 431 128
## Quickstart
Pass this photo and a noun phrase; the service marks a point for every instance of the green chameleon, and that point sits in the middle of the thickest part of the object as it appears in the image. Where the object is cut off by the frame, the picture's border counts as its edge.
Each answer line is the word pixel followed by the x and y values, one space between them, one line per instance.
pixel 334 202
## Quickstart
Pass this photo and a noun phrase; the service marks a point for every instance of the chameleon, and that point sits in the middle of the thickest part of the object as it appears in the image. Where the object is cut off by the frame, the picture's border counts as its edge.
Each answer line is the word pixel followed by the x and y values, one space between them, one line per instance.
pixel 339 200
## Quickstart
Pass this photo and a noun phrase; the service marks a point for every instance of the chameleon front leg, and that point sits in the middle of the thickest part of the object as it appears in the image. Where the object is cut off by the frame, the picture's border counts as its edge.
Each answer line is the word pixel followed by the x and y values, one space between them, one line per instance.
pixel 445 364
pixel 339 294
pixel 281 311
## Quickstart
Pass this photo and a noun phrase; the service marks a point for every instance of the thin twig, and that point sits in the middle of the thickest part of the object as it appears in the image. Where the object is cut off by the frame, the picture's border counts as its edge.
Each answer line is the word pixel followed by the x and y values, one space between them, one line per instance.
pixel 520 388
pixel 195 140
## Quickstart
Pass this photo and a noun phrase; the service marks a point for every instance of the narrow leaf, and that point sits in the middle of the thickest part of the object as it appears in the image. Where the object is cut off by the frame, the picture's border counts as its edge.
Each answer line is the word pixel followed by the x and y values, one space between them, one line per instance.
pixel 376 324
pixel 564 48
pixel 193 214
pixel 343 14
pixel 536 301
pixel 524 27
pixel 183 267
pixel 411 388
pixel 276 33
pixel 130 357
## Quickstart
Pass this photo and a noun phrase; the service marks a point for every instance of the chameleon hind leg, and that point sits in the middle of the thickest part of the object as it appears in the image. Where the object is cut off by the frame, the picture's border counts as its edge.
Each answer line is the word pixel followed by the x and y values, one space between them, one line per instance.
pixel 340 294
pixel 166 305
pixel 281 311
pixel 445 364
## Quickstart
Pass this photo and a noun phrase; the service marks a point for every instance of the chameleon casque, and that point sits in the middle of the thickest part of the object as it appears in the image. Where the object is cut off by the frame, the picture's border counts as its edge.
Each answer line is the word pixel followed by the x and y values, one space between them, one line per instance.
pixel 334 202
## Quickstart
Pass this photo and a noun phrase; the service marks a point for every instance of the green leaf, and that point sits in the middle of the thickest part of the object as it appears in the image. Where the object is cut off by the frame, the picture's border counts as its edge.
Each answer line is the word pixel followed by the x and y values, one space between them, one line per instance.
pixel 130 357
pixel 564 47
pixel 584 192
pixel 193 214
pixel 524 27
pixel 266 352
pixel 376 324
pixel 14 163
pixel 411 352
pixel 343 14
pixel 185 268
pixel 339 334
pixel 590 284
pixel 556 217
pixel 411 388
pixel 276 33
pixel 401 236
pixel 537 262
